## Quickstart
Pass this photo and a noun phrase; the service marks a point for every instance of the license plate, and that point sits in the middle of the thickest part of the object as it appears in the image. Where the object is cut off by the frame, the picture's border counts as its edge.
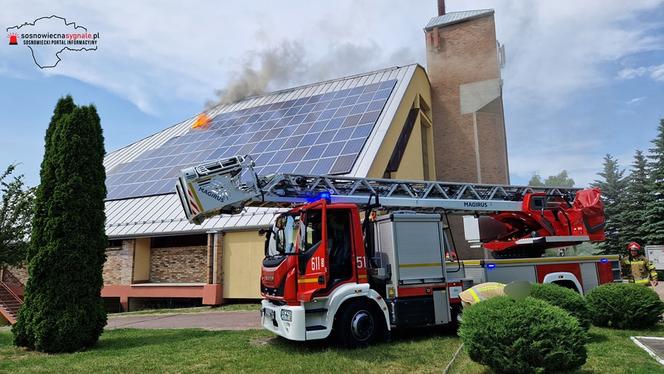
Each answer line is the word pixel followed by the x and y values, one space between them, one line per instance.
pixel 269 313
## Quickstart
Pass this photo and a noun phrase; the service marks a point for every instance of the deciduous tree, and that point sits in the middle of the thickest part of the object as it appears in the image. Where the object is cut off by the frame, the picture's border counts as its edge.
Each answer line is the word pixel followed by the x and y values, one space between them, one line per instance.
pixel 561 179
pixel 16 206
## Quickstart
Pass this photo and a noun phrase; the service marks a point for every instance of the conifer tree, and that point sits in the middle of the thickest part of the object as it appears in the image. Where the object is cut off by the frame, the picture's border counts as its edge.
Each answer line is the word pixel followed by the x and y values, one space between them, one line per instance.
pixel 63 310
pixel 636 200
pixel 654 230
pixel 612 184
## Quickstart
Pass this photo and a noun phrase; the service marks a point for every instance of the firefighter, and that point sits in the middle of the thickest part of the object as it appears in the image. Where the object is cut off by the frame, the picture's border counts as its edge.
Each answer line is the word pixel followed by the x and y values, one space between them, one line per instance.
pixel 517 290
pixel 481 292
pixel 640 270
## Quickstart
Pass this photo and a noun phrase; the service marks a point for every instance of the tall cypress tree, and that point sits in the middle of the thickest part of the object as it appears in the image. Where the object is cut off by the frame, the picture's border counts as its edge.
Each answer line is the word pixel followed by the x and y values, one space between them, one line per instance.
pixel 63 309
pixel 22 331
pixel 612 184
pixel 636 200
pixel 655 209
pixel 45 190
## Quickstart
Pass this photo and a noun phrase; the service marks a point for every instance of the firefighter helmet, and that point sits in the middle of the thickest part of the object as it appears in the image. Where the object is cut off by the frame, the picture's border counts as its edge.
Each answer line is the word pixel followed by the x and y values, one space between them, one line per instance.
pixel 634 247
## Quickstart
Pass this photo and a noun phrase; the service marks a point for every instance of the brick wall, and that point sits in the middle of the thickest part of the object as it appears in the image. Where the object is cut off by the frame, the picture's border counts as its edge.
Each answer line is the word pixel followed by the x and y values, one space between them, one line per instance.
pixel 179 264
pixel 466 53
pixel 118 267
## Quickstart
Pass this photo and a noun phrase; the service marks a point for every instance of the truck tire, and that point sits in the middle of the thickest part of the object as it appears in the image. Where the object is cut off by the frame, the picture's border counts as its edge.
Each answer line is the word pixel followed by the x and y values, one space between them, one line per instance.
pixel 358 325
pixel 455 314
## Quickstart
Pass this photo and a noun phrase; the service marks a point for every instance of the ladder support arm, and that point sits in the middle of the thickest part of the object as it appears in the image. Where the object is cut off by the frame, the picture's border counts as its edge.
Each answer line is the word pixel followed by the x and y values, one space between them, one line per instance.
pixel 227 186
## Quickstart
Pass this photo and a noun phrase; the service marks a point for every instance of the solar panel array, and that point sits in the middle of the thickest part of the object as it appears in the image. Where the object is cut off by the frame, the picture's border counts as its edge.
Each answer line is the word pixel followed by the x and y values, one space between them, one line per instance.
pixel 320 134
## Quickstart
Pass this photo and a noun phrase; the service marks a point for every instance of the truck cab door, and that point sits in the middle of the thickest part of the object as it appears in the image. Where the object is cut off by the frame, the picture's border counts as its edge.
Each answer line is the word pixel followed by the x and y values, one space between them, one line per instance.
pixel 313 259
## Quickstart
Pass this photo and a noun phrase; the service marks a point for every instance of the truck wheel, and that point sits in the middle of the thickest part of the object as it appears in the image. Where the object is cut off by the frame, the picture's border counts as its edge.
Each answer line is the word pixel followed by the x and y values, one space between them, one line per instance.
pixel 455 314
pixel 358 325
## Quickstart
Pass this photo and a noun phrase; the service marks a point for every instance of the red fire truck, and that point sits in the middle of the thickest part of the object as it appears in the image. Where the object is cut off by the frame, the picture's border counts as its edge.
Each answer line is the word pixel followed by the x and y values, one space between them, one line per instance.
pixel 357 257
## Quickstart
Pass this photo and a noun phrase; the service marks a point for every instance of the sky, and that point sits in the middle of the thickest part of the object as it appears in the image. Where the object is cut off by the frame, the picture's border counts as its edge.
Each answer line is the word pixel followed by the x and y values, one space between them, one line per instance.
pixel 582 78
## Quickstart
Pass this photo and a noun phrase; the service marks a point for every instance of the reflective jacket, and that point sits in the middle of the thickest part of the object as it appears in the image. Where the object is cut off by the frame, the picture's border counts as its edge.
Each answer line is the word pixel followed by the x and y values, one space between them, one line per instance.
pixel 641 270
pixel 482 292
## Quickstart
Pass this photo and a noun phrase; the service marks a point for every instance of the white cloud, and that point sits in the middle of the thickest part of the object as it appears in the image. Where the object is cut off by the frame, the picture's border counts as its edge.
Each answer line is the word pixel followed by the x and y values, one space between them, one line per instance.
pixel 556 49
pixel 630 73
pixel 635 100
pixel 654 72
pixel 154 50
pixel 657 73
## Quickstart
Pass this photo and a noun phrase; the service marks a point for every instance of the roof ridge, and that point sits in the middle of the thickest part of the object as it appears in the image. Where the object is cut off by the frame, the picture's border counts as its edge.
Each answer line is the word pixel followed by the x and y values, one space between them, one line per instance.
pixel 470 10
pixel 338 79
pixel 451 18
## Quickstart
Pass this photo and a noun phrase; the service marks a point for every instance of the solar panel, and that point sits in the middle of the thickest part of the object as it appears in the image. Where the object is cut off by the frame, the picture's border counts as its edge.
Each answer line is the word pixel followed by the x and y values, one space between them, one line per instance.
pixel 320 134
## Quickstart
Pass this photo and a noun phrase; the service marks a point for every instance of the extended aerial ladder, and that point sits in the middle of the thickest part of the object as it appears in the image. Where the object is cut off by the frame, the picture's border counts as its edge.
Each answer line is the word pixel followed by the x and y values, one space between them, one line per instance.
pixel 543 217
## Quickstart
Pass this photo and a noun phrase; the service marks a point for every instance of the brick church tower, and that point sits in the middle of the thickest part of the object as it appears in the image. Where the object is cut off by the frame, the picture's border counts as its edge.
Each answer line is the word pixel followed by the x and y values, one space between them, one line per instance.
pixel 463 64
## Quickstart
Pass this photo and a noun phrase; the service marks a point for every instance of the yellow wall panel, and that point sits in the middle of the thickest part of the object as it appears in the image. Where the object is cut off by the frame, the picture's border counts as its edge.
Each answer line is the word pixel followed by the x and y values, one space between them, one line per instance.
pixel 412 163
pixel 242 259
pixel 141 271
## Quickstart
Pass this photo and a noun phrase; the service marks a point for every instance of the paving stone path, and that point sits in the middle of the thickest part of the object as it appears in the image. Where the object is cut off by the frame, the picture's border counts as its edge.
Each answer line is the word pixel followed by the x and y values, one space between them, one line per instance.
pixel 207 321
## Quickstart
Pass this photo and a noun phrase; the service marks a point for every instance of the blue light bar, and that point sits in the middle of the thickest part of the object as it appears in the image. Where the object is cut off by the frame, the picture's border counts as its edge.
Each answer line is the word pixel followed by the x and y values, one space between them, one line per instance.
pixel 604 260
pixel 325 195
pixel 490 266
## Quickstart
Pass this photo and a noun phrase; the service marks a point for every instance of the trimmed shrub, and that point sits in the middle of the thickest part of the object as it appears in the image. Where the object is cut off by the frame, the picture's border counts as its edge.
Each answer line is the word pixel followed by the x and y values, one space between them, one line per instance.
pixel 564 298
pixel 624 306
pixel 524 336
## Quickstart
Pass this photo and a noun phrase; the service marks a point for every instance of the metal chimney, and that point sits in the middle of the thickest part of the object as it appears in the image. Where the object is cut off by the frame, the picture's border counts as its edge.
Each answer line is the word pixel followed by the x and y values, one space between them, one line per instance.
pixel 441 7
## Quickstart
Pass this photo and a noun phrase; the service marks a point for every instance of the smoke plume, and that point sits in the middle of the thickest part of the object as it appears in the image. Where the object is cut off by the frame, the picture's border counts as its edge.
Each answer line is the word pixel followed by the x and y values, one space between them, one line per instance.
pixel 290 64
pixel 274 66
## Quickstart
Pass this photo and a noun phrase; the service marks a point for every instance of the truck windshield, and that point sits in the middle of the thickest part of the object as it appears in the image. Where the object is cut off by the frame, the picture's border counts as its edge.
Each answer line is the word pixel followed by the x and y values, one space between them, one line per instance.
pixel 281 239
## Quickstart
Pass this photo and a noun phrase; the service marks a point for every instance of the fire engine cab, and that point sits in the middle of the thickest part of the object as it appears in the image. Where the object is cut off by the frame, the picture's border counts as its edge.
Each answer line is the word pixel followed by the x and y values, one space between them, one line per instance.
pixel 354 258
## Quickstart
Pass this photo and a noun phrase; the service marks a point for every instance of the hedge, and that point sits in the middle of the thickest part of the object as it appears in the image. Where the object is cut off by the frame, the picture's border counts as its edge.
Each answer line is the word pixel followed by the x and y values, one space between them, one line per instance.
pixel 523 336
pixel 624 306
pixel 565 298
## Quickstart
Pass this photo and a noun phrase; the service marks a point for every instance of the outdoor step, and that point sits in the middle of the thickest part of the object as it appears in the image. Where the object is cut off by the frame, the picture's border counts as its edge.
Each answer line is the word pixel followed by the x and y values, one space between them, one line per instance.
pixel 11 312
pixel 9 303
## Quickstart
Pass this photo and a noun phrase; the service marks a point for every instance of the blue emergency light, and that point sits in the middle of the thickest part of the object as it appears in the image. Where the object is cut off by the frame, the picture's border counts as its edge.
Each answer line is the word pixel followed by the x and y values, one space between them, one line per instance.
pixel 325 195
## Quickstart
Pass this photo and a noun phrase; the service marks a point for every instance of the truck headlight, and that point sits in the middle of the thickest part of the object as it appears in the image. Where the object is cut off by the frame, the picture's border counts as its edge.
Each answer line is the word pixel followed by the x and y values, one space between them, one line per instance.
pixel 286 315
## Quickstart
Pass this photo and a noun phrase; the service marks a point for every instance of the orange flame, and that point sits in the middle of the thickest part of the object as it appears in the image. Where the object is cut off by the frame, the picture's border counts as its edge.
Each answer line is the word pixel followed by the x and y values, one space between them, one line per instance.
pixel 202 121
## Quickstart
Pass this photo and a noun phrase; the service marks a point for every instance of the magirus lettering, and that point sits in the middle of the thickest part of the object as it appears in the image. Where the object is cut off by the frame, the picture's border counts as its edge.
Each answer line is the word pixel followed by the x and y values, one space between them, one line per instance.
pixel 218 197
pixel 475 204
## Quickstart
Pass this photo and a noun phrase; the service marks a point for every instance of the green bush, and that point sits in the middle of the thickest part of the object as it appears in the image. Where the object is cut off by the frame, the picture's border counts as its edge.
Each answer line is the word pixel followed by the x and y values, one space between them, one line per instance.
pixel 624 306
pixel 564 298
pixel 524 336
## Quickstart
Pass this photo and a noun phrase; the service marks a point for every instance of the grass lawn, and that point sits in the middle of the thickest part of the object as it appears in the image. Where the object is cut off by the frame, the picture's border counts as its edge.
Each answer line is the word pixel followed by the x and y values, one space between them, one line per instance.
pixel 131 351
